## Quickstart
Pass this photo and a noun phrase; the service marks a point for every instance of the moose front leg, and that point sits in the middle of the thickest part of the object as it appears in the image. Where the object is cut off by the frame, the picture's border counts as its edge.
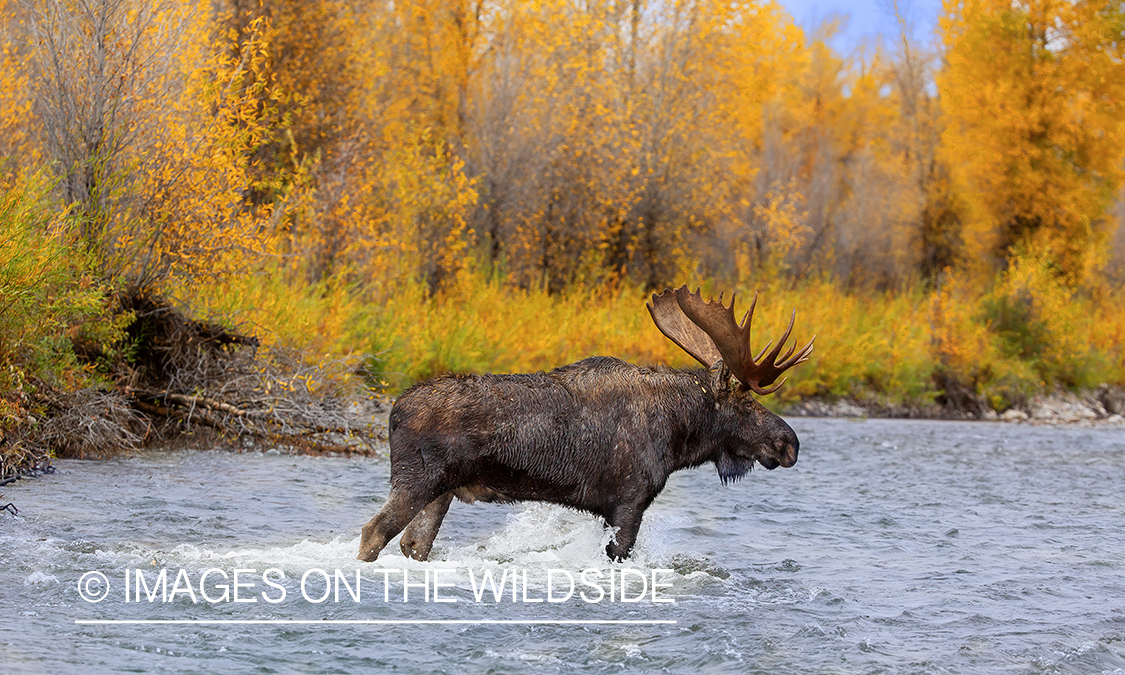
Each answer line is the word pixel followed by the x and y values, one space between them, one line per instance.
pixel 418 537
pixel 627 520
pixel 399 509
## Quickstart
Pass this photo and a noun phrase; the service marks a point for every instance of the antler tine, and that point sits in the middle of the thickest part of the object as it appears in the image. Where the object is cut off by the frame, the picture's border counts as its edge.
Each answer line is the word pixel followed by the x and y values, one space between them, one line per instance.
pixel 761 372
pixel 772 358
pixel 748 317
pixel 790 359
pixel 708 331
pixel 802 355
pixel 678 328
pixel 716 319
pixel 763 392
pixel 758 358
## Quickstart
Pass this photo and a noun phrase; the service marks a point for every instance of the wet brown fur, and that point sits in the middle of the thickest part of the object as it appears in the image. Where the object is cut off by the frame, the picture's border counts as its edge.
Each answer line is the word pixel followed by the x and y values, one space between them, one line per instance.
pixel 599 435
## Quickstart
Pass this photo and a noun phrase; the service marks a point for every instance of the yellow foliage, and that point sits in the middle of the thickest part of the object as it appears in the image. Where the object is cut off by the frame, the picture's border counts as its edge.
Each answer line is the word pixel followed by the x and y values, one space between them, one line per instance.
pixel 1035 313
pixel 960 345
pixel 149 129
pixel 17 126
pixel 196 169
pixel 469 185
pixel 782 222
pixel 1033 92
pixel 43 287
pixel 412 217
pixel 307 69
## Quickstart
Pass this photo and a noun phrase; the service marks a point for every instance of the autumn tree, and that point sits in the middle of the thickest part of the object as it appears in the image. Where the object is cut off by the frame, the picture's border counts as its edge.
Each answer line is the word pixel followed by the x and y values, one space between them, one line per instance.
pixel 621 144
pixel 147 122
pixel 827 171
pixel 398 186
pixel 1032 93
pixel 566 204
pixel 17 125
pixel 763 55
pixel 309 66
pixel 96 62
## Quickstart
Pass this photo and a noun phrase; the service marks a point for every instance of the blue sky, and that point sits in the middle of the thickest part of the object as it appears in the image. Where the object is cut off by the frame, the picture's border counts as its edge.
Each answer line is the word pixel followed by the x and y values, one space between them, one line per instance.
pixel 864 19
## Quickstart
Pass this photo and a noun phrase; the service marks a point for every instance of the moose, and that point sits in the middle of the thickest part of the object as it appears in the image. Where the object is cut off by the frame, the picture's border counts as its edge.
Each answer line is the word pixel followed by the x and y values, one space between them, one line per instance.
pixel 599 435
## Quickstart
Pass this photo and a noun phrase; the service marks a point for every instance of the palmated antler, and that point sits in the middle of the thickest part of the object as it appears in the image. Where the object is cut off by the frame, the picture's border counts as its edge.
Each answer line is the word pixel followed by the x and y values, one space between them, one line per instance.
pixel 677 327
pixel 708 331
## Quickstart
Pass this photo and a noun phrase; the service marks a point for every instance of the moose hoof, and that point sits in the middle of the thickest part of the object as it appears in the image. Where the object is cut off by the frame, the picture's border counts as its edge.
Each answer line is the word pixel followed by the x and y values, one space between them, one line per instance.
pixel 410 549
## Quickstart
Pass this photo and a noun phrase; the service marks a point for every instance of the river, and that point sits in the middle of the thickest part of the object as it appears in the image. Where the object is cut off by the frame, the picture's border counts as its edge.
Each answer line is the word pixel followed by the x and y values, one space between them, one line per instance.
pixel 891 547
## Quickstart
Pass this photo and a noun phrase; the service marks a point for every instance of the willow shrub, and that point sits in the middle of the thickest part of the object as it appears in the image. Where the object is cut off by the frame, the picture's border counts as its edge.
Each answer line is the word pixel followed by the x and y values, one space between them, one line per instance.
pixel 45 289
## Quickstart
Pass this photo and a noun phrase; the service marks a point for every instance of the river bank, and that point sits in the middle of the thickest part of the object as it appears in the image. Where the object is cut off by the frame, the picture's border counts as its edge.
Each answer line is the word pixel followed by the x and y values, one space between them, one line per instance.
pixel 1104 406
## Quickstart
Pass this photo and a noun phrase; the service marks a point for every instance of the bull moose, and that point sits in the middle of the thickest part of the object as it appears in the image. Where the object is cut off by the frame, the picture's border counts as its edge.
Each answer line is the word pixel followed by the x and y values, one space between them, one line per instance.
pixel 600 435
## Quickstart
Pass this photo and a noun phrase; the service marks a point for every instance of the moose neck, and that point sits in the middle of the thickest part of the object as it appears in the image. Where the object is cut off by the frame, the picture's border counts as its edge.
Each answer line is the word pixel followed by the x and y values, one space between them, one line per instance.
pixel 706 421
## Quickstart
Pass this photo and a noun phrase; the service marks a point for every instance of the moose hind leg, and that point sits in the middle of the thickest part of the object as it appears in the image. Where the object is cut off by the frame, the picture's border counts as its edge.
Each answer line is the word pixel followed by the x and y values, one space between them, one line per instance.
pixel 418 537
pixel 399 509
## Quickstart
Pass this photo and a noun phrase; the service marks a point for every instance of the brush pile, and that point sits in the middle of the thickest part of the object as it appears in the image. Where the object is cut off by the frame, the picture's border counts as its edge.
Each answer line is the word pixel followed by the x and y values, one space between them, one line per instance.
pixel 176 380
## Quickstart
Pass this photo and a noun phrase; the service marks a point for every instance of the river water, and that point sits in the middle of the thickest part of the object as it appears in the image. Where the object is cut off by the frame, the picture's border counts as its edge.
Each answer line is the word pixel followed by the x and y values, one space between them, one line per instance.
pixel 891 547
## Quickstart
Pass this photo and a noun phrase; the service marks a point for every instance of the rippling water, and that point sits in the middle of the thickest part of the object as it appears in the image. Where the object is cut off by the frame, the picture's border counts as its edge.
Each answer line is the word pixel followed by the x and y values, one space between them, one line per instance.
pixel 914 547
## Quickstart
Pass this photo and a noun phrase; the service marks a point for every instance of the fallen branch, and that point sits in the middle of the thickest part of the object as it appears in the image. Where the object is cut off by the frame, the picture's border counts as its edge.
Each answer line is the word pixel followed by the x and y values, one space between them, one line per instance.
pixel 297 427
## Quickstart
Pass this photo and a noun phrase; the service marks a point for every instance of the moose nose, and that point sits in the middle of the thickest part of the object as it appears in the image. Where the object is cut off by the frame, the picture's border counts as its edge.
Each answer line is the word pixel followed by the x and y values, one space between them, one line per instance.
pixel 787 452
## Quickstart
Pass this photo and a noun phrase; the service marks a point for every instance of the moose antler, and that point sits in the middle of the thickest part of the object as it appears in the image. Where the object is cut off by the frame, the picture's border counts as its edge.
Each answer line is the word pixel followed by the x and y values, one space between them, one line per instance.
pixel 677 327
pixel 708 331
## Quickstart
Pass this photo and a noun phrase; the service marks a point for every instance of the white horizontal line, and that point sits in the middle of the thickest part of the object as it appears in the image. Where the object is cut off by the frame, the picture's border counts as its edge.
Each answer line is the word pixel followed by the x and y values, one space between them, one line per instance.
pixel 388 622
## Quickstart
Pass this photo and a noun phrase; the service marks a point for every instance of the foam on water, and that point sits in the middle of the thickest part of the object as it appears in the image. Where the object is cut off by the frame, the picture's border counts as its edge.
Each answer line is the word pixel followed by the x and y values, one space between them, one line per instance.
pixel 534 535
pixel 40 578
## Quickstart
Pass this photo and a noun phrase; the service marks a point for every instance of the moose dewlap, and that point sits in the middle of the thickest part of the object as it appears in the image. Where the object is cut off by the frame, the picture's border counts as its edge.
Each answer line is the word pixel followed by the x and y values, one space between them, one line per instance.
pixel 599 435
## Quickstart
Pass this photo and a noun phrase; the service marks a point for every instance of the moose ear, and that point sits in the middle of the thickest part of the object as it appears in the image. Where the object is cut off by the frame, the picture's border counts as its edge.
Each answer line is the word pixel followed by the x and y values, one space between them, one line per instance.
pixel 677 327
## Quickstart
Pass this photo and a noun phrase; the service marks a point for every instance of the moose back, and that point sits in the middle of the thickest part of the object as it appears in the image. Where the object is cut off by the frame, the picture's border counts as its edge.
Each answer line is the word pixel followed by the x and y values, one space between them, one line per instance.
pixel 600 435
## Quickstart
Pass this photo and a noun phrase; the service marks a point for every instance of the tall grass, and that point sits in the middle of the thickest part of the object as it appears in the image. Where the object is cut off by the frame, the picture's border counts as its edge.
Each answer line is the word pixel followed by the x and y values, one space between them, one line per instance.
pixel 886 345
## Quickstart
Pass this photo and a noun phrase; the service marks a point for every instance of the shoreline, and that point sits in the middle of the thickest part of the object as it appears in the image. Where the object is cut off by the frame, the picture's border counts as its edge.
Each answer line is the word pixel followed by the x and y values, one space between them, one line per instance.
pixel 1100 407
pixel 1103 406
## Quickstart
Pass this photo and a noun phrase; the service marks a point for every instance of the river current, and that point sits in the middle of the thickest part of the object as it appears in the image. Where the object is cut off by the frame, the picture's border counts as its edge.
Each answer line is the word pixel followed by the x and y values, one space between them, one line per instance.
pixel 891 547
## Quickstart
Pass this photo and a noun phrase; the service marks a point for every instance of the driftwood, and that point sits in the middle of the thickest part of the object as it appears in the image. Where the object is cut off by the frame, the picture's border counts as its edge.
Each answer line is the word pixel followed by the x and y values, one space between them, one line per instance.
pixel 89 422
pixel 310 426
